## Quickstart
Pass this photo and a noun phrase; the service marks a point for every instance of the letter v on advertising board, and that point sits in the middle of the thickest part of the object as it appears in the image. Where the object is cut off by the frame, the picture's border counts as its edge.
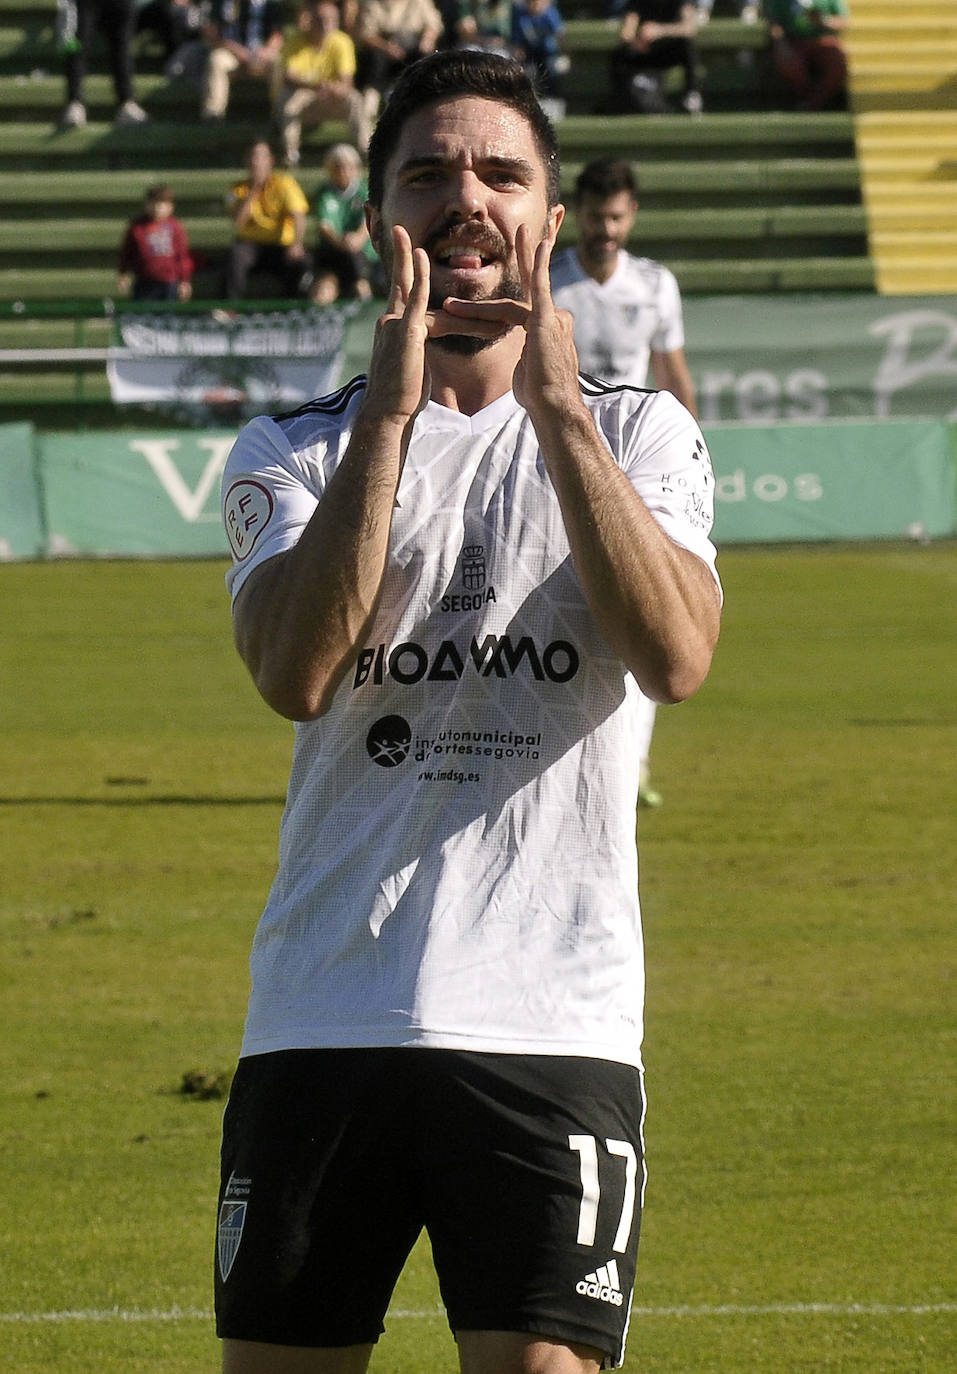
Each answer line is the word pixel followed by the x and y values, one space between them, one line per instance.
pixel 189 501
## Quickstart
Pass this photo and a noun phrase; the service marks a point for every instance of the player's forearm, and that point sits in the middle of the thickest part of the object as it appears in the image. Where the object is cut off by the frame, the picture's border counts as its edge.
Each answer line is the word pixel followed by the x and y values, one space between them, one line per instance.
pixel 655 603
pixel 300 623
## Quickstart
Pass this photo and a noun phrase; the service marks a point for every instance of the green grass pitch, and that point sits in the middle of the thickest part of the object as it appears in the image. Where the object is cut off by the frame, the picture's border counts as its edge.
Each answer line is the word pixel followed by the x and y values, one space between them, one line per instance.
pixel 798 889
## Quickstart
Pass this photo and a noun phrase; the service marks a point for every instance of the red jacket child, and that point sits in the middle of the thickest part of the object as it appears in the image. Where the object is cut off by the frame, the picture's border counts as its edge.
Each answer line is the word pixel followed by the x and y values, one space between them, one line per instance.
pixel 154 256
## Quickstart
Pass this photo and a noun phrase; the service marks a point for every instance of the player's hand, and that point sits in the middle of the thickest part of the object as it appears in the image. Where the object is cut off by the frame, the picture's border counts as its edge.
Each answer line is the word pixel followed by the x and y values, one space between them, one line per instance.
pixel 399 382
pixel 547 372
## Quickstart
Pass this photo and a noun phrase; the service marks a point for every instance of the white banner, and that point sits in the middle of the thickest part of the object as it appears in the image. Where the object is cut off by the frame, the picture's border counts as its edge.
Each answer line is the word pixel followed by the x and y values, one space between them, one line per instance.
pixel 248 363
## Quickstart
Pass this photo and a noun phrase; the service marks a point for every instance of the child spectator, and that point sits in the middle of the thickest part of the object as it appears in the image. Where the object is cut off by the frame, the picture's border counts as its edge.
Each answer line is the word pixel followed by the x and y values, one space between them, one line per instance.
pixel 155 259
pixel 344 257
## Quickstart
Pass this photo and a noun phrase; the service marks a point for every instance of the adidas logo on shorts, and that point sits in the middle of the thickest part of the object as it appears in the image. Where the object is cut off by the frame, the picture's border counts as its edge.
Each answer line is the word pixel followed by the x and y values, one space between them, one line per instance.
pixel 604 1285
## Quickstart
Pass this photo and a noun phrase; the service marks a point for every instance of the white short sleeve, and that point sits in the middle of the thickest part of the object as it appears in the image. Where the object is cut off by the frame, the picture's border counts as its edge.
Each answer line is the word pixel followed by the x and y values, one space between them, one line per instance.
pixel 267 499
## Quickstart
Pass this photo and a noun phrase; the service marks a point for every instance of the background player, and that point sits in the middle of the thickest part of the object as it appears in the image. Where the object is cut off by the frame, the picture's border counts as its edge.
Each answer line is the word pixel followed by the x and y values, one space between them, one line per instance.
pixel 627 314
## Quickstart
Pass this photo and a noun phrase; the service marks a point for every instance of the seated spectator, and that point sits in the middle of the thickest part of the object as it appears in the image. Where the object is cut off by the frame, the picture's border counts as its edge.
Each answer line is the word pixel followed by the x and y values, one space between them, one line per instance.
pixel 243 36
pixel 344 257
pixel 318 83
pixel 269 214
pixel 78 22
pixel 176 23
pixel 389 35
pixel 155 259
pixel 749 11
pixel 538 33
pixel 485 24
pixel 807 50
pixel 655 36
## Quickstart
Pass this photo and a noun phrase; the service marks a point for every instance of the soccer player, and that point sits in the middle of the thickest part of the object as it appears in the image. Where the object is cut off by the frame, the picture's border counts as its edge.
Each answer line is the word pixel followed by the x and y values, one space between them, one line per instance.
pixel 455 574
pixel 627 315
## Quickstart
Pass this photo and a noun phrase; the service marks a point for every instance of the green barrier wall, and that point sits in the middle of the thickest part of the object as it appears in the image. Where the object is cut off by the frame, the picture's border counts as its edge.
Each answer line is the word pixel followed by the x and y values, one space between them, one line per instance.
pixel 839 481
pixel 763 359
pixel 157 495
pixel 129 495
pixel 22 531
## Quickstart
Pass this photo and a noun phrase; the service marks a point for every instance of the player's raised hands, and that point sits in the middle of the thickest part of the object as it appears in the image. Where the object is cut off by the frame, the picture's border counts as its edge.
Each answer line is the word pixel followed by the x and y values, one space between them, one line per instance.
pixel 547 372
pixel 398 385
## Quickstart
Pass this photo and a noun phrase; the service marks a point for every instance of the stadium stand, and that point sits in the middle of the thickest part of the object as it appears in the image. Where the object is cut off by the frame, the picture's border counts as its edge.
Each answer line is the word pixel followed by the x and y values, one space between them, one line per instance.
pixel 745 198
pixel 904 95
pixel 776 196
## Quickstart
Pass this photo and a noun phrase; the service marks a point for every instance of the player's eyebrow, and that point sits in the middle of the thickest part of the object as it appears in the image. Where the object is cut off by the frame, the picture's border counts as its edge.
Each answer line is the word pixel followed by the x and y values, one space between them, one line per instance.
pixel 518 167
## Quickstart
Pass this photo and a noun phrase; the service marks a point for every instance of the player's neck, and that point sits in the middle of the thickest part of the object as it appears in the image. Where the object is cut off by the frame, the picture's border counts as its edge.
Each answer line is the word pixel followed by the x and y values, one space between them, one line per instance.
pixel 470 383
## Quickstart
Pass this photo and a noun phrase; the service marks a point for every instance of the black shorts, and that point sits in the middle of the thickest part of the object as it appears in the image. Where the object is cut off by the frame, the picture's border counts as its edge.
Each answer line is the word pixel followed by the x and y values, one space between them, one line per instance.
pixel 527 1171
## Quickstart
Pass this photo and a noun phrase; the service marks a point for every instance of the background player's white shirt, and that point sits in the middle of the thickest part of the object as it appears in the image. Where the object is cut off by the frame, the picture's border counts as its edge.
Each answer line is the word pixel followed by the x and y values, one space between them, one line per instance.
pixel 457 861
pixel 619 322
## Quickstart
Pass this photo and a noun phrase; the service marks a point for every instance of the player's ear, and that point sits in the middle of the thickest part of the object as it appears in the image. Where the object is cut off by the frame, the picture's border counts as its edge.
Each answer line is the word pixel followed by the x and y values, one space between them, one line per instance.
pixel 555 216
pixel 374 226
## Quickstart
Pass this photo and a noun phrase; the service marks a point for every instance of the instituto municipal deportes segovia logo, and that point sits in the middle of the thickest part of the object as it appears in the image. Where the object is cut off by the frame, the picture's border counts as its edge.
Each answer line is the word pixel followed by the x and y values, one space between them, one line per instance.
pixel 388 741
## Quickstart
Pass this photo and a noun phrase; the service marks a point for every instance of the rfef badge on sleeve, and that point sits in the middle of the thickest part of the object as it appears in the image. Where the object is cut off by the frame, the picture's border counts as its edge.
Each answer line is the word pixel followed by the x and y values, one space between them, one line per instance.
pixel 247 510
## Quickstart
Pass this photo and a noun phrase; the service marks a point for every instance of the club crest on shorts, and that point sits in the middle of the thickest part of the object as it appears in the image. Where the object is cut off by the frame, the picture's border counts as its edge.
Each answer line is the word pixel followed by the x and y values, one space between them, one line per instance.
pixel 232 1219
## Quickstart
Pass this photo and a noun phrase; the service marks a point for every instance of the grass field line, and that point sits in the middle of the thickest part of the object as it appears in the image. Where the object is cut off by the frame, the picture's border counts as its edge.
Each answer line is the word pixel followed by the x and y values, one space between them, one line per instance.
pixel 780 1309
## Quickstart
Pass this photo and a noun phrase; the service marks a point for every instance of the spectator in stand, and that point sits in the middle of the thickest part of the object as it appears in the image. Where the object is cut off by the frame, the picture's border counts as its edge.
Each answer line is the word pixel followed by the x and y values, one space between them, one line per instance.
pixel 243 36
pixel 176 23
pixel 318 82
pixel 655 36
pixel 807 50
pixel 344 257
pixel 749 12
pixel 155 262
pixel 78 22
pixel 627 318
pixel 389 35
pixel 538 33
pixel 478 24
pixel 269 214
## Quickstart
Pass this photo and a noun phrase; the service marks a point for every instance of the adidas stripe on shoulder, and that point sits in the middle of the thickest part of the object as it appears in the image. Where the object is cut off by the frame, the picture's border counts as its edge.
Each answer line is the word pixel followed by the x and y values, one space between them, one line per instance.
pixel 594 387
pixel 333 404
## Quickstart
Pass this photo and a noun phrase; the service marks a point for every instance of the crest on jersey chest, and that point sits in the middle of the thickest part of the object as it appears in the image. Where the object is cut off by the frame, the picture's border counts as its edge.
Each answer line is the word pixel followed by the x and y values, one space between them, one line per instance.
pixel 473 567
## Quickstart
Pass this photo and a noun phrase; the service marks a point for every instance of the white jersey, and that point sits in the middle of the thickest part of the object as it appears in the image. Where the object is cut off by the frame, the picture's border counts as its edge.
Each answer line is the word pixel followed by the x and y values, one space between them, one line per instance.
pixel 457 861
pixel 619 322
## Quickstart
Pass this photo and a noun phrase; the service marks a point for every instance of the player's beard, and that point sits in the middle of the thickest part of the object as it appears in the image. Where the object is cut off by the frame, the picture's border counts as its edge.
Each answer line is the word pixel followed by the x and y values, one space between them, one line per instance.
pixel 490 243
pixel 467 345
pixel 595 253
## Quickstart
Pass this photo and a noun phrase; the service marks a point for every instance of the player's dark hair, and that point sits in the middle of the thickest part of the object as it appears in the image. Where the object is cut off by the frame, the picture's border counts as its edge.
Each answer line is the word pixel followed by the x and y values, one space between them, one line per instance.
pixel 446 76
pixel 606 176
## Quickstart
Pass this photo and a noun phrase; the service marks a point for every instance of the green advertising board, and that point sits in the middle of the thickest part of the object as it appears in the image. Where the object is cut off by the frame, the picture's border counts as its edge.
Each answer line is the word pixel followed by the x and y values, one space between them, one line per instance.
pixel 763 359
pixel 134 495
pixel 137 494
pixel 22 532
pixel 845 480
